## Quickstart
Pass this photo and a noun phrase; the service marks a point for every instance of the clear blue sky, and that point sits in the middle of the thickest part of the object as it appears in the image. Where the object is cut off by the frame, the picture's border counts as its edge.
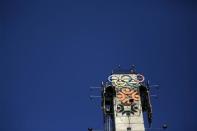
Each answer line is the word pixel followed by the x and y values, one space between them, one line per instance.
pixel 51 52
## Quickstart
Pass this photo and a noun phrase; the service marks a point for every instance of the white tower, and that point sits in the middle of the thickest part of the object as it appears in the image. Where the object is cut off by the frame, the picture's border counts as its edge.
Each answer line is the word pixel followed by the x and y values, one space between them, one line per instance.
pixel 125 97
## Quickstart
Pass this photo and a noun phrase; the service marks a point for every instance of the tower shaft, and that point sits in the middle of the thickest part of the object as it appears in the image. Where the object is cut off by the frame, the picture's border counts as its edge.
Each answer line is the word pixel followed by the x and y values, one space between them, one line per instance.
pixel 124 100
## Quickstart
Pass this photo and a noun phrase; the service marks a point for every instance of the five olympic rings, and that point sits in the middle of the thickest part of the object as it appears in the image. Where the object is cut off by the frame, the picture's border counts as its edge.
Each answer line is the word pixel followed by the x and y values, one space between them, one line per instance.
pixel 124 80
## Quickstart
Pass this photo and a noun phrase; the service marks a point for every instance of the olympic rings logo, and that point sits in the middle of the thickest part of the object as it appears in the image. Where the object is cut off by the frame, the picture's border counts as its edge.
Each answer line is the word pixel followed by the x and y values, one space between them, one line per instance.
pixel 123 80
